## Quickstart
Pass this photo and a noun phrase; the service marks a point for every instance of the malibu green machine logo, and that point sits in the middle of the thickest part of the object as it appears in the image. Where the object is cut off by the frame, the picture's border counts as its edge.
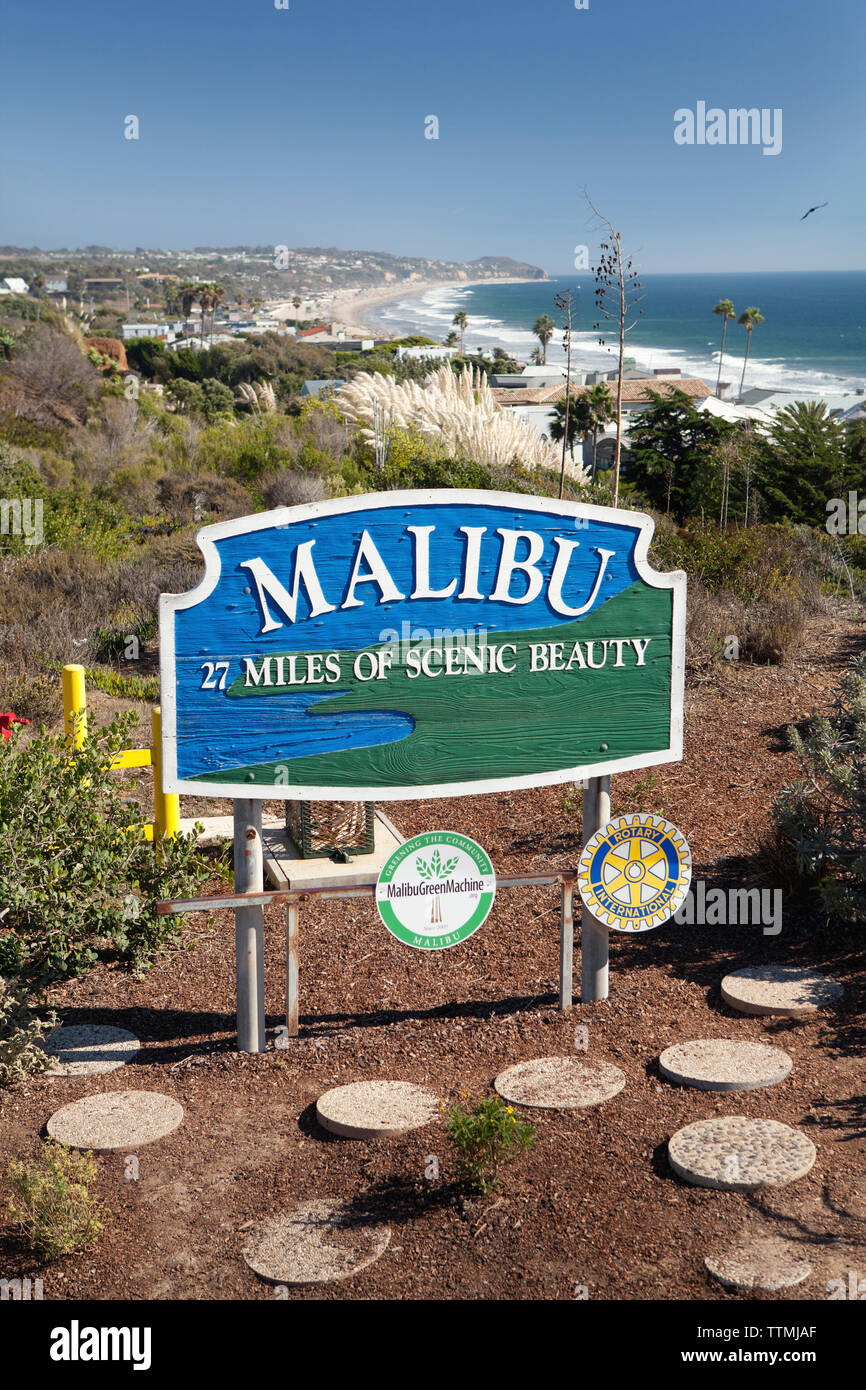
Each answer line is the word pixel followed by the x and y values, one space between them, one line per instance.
pixel 436 890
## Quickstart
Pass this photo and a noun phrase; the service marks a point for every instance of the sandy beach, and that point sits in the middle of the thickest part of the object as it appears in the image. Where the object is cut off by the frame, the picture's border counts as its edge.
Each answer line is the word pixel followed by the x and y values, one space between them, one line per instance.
pixel 345 308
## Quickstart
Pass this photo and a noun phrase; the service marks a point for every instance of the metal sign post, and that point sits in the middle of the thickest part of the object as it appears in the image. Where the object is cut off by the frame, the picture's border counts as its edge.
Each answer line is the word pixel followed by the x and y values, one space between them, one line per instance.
pixel 594 935
pixel 249 926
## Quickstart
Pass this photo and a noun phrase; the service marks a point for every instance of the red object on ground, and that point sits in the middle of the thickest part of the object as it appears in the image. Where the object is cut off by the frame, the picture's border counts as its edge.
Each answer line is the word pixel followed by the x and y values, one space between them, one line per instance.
pixel 6 722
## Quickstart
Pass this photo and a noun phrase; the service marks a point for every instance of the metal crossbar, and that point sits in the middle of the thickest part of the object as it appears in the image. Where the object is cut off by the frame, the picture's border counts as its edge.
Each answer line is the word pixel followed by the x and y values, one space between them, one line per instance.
pixel 292 898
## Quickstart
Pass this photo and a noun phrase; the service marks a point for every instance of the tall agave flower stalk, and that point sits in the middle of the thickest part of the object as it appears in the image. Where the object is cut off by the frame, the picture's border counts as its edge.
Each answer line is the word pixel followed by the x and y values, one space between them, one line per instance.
pixel 458 410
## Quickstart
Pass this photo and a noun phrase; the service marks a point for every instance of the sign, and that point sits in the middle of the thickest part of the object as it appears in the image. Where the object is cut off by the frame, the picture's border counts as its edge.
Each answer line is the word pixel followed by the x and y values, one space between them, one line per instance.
pixel 436 890
pixel 417 644
pixel 635 872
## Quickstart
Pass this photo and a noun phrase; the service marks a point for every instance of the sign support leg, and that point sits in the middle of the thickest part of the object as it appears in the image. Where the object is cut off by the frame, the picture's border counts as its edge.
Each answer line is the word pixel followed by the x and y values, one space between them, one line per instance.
pixel 293 913
pixel 249 926
pixel 566 948
pixel 594 934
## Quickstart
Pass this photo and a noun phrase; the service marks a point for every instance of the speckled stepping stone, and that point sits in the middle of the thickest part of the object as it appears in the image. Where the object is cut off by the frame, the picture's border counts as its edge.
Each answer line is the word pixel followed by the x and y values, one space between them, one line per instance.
pixel 720 1064
pixel 90 1049
pixel 559 1083
pixel 785 990
pixel 768 1263
pixel 376 1109
pixel 738 1154
pixel 115 1120
pixel 316 1243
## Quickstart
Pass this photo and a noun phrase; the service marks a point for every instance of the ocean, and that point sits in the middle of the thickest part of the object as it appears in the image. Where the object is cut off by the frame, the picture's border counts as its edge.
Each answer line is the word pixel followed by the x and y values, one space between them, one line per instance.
pixel 813 339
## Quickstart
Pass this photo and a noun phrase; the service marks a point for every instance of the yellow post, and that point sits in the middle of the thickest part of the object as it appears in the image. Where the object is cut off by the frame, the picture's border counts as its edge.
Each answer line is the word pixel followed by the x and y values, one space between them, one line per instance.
pixel 166 809
pixel 74 706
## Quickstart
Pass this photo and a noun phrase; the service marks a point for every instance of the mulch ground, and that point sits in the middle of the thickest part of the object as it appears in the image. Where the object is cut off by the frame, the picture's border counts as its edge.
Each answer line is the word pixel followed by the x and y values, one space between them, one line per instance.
pixel 594 1204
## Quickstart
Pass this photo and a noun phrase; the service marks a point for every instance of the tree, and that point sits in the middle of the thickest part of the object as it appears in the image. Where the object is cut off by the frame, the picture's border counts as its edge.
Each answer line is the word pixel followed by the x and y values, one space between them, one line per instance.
pixel 616 286
pixel 804 462
pixel 217 398
pixel 462 322
pixel 672 454
pixel 599 406
pixel 296 304
pixel 187 396
pixel 544 329
pixel 451 340
pixel 210 296
pixel 188 292
pixel 565 424
pixel 172 296
pixel 725 309
pixel 751 318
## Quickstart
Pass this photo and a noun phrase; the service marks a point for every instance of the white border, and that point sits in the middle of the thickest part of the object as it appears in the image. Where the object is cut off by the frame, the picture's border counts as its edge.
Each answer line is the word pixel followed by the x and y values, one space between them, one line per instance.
pixel 169 604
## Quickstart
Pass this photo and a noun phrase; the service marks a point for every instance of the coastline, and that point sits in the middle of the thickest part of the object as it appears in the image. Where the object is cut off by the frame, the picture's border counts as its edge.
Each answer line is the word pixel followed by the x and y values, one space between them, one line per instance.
pixel 345 308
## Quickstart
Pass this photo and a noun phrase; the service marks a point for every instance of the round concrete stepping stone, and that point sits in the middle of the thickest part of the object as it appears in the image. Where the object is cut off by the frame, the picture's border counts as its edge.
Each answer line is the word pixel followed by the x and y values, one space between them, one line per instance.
pixel 785 990
pixel 720 1064
pixel 769 1263
pixel 115 1120
pixel 376 1109
pixel 316 1243
pixel 88 1049
pixel 738 1154
pixel 559 1083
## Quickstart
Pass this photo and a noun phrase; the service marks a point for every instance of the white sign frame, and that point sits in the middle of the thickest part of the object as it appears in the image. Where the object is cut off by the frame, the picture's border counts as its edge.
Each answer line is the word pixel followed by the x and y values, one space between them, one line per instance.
pixel 283 516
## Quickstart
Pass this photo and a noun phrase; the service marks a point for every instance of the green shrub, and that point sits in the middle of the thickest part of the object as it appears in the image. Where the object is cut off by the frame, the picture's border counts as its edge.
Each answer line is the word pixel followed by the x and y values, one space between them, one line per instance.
pixel 20 1031
pixel 82 879
pixel 485 1137
pixel 109 644
pixel 54 1209
pixel 822 819
pixel 31 694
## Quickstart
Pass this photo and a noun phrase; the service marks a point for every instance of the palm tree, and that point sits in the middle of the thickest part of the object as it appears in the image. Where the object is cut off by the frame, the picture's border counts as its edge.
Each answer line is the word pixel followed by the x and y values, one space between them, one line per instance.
pixel 188 292
pixel 571 411
pixel 726 309
pixel 209 296
pixel 751 318
pixel 462 322
pixel 600 407
pixel 216 298
pixel 296 304
pixel 203 298
pixel 544 329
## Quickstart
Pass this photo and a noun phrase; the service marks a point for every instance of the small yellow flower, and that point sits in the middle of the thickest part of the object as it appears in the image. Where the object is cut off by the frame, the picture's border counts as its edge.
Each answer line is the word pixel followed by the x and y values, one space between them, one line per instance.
pixel 510 1109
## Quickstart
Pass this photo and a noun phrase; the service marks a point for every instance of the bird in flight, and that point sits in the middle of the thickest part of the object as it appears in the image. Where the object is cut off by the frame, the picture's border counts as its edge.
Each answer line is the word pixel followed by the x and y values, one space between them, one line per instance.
pixel 814 209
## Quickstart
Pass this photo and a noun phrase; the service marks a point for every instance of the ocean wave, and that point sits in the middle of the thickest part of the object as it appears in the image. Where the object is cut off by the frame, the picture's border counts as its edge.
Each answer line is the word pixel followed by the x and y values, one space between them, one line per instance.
pixel 431 313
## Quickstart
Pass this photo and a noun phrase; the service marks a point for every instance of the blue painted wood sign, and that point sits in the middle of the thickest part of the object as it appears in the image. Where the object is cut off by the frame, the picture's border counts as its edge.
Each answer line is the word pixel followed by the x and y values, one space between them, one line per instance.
pixel 417 644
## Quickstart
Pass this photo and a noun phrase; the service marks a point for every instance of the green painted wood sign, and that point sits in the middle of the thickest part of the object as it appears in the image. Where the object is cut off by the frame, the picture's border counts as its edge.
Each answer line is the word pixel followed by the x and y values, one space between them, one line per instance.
pixel 416 644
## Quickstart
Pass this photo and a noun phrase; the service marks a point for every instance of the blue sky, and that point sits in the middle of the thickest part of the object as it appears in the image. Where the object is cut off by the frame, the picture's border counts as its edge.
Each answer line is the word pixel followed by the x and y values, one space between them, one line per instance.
pixel 306 127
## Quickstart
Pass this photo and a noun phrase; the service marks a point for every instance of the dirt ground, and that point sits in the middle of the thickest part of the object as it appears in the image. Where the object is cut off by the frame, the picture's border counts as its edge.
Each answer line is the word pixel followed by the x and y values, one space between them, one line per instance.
pixel 594 1204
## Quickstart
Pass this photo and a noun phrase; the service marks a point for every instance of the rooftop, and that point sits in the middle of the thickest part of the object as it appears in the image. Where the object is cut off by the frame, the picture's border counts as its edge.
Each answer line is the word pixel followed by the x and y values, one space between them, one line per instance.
pixel 633 392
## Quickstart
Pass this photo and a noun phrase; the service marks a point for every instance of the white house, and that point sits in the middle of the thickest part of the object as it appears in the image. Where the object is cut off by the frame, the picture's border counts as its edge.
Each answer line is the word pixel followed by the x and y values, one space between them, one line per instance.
pixel 146 330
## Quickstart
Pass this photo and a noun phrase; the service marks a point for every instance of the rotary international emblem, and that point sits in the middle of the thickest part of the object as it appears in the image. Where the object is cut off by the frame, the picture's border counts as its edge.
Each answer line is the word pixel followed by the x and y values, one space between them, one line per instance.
pixel 635 872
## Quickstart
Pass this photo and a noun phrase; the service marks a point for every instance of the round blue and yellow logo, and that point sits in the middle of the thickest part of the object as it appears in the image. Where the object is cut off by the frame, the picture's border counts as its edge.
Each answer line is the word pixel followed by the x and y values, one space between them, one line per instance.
pixel 635 872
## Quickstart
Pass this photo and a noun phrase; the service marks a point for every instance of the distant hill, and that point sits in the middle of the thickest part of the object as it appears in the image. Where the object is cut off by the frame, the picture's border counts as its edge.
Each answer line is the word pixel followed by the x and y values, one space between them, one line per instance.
pixel 145 280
